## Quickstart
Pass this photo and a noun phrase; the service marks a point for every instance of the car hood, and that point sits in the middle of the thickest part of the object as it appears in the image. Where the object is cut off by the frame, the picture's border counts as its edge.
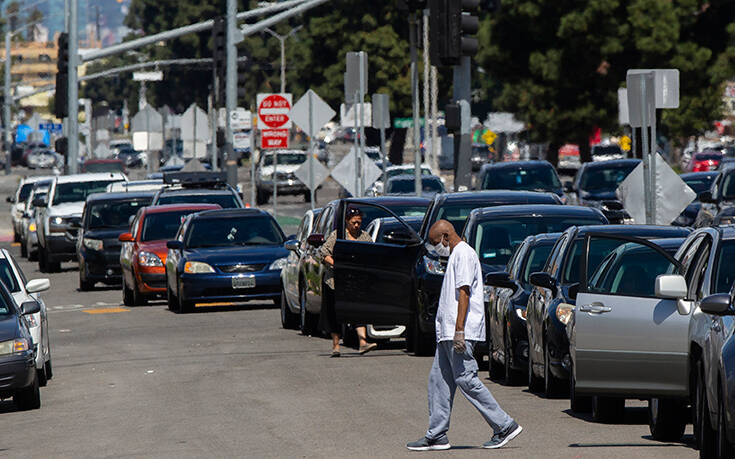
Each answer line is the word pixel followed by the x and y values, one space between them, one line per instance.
pixel 234 255
pixel 105 233
pixel 267 170
pixel 157 247
pixel 9 327
pixel 67 209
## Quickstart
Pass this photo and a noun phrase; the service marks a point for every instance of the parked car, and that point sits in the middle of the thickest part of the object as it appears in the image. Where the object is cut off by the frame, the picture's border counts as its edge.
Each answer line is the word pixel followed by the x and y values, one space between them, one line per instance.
pixel 57 217
pixel 143 253
pixel 506 298
pixel 606 152
pixel 44 159
pixel 290 304
pixel 17 353
pixel 480 156
pixel 23 291
pixel 18 199
pixel 28 236
pixel 103 165
pixel 698 182
pixel 553 296
pixel 106 216
pixel 719 196
pixel 197 188
pixel 228 255
pixel 270 173
pixel 29 148
pixel 405 185
pixel 132 158
pixel 708 160
pixel 596 183
pixel 391 171
pixel 569 157
pixel 522 176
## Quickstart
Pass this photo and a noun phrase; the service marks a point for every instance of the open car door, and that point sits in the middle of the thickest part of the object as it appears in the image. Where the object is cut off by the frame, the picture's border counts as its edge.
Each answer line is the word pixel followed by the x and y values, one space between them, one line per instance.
pixel 629 334
pixel 374 281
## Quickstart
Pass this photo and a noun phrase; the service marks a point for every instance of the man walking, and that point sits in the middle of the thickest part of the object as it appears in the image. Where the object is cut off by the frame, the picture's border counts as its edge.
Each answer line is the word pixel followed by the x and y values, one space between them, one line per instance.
pixel 460 324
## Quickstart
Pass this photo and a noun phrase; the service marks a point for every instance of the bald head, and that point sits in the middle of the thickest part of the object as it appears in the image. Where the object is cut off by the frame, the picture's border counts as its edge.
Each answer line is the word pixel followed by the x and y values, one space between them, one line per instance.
pixel 440 229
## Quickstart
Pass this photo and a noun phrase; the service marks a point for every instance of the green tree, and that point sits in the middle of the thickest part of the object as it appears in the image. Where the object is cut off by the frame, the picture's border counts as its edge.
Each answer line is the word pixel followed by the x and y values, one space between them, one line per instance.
pixel 12 13
pixel 559 64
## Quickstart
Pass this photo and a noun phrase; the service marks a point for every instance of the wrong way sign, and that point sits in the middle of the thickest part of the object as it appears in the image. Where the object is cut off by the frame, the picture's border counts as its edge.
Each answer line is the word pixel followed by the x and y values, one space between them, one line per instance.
pixel 273 111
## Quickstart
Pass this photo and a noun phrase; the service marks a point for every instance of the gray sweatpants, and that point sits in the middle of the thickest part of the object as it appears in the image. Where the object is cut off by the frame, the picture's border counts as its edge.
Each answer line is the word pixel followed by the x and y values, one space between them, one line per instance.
pixel 449 371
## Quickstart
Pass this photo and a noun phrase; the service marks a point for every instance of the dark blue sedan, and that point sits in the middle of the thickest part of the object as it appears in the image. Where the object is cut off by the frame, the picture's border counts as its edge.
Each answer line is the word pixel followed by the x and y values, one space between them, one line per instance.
pixel 223 257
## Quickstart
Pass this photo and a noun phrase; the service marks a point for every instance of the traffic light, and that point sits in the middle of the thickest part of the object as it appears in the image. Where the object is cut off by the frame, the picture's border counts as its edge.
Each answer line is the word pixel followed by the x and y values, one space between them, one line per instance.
pixel 462 24
pixel 219 57
pixel 242 80
pixel 61 99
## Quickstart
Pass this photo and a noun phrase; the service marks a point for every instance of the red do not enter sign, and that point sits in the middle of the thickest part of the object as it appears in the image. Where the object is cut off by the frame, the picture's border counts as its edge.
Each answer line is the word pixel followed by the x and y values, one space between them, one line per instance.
pixel 273 110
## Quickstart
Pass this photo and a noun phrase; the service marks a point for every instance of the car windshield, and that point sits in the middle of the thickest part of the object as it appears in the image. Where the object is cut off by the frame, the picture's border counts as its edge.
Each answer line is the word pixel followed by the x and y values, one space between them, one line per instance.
pixel 496 240
pixel 78 191
pixel 224 232
pixel 225 201
pixel 406 171
pixel 25 191
pixel 539 178
pixel 8 278
pixel 163 226
pixel 104 167
pixel 456 214
pixel 725 270
pixel 700 183
pixel 113 214
pixel 535 262
pixel 605 178
pixel 407 186
pixel 285 159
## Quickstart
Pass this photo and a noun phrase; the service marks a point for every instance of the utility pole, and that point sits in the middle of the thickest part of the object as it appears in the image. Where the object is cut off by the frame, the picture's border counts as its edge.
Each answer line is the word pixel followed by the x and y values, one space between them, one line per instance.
pixel 73 129
pixel 230 91
pixel 413 31
pixel 282 39
pixel 7 99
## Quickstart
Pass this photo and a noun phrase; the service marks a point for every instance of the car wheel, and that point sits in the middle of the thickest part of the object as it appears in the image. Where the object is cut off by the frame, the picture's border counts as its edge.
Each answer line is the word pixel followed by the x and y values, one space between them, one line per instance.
pixel 409 338
pixel 535 384
pixel 33 256
pixel 511 375
pixel 28 398
pixel 577 403
pixel 48 368
pixel 41 375
pixel 23 250
pixel 552 384
pixel 138 298
pixel 609 410
pixel 16 236
pixel 666 419
pixel 706 436
pixel 128 299
pixel 84 284
pixel 261 198
pixel 725 449
pixel 307 320
pixel 52 266
pixel 173 303
pixel 41 259
pixel 424 343
pixel 184 306
pixel 289 320
pixel 495 368
pixel 307 196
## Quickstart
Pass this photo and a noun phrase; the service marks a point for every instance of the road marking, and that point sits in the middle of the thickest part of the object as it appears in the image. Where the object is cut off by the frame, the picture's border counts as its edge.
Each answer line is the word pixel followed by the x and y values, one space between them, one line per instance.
pixel 15 244
pixel 209 305
pixel 105 310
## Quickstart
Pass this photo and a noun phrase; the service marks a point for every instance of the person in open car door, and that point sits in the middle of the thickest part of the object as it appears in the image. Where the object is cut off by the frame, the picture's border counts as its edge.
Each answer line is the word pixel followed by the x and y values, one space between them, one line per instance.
pixel 460 324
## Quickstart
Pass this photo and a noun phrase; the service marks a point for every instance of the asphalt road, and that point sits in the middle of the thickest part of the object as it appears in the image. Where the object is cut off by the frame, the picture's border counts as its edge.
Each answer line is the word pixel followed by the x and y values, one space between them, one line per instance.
pixel 229 382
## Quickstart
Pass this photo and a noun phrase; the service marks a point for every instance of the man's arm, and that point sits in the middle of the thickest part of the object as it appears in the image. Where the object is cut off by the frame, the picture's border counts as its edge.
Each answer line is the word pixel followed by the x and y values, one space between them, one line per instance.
pixel 463 304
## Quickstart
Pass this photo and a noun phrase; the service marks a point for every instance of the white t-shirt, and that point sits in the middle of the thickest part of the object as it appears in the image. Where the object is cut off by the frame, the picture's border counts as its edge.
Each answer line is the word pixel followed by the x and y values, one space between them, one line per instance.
pixel 463 269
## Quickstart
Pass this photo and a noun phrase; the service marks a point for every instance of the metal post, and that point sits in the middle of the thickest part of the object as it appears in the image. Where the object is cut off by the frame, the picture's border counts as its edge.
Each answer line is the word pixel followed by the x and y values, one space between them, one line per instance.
pixel 230 91
pixel 385 156
pixel 73 144
pixel 357 151
pixel 312 147
pixel 253 202
pixel 7 97
pixel 434 116
pixel 463 142
pixel 363 79
pixel 652 163
pixel 645 153
pixel 415 104
pixel 275 184
pixel 428 140
pixel 213 128
pixel 283 64
pixel 633 143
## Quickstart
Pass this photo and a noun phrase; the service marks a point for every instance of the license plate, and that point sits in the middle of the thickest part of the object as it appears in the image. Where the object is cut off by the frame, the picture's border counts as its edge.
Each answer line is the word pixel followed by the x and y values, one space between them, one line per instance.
pixel 243 282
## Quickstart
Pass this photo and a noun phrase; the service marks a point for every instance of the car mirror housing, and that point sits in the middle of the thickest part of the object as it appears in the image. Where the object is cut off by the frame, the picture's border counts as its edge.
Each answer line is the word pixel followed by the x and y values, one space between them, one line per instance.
pixel 9 199
pixel 500 279
pixel 125 237
pixel 705 196
pixel 175 245
pixel 671 286
pixel 315 240
pixel 543 280
pixel 38 285
pixel 30 307
pixel 292 245
pixel 39 202
pixel 718 305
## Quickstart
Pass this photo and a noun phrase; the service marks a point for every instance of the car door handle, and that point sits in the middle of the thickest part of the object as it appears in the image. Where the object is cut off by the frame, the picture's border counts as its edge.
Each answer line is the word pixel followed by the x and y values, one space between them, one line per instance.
pixel 595 308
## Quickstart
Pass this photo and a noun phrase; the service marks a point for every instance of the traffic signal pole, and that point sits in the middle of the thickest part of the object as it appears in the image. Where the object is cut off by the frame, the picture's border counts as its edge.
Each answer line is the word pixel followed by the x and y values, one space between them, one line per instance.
pixel 72 129
pixel 230 91
pixel 7 98
pixel 415 104
pixel 463 142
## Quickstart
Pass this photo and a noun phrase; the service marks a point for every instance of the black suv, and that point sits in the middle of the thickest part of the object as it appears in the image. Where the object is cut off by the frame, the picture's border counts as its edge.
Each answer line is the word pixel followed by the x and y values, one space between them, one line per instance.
pixel 595 185
pixel 197 188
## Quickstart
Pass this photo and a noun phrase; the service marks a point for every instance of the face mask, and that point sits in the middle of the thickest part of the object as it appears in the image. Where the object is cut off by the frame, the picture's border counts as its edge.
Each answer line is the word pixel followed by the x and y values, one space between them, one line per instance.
pixel 441 249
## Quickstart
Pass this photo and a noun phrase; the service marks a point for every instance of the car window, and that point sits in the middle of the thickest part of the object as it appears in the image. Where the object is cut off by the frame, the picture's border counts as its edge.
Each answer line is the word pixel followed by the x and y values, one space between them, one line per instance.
pixel 512 268
pixel 728 186
pixel 699 183
pixel 78 191
pixel 285 159
pixel 597 253
pixel 302 228
pixel 7 277
pixel 24 191
pixel 104 167
pixel 605 178
pixel 322 226
pixel 701 268
pixel 552 263
pixel 233 231
pixel 689 262
pixel 629 270
pixel 535 261
pixel 724 273
pixel 225 201
pixel 456 214
pixel 164 225
pixel 407 186
pixel 112 214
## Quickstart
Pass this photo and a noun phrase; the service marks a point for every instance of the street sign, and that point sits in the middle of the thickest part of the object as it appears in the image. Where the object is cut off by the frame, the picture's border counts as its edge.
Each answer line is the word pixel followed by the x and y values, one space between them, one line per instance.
pixel 347 115
pixel 344 172
pixel 274 138
pixel 320 172
pixel 240 140
pixel 666 84
pixel 195 132
pixel 381 111
pixel 148 76
pixel 623 114
pixel 273 110
pixel 147 127
pixel 625 143
pixel 55 128
pixel 321 113
pixel 672 194
pixel 240 119
pixel 489 137
pixel 638 84
pixel 403 123
pixel 354 60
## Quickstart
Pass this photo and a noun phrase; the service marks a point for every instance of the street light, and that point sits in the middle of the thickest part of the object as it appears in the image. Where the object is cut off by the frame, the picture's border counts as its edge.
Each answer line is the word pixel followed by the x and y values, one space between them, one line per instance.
pixel 282 39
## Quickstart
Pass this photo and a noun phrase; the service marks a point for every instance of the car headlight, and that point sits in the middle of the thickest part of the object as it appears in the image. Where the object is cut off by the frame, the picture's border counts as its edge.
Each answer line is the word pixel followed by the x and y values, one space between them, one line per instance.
pixel 278 264
pixel 521 313
pixel 14 346
pixel 149 259
pixel 433 266
pixel 93 244
pixel 197 267
pixel 32 227
pixel 564 312
pixel 488 290
pixel 57 220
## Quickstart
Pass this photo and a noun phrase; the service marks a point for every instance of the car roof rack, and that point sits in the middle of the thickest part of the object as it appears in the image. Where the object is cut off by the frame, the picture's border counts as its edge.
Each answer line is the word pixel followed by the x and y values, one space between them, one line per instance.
pixel 195 179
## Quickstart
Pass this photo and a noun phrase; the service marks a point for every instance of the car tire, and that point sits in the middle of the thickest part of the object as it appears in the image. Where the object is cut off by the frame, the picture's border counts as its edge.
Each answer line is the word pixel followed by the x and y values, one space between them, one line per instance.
pixel 16 236
pixel 41 259
pixel 608 410
pixel 424 344
pixel 184 305
pixel 409 338
pixel 552 384
pixel 495 368
pixel 577 403
pixel 52 266
pixel 84 284
pixel 261 198
pixel 289 320
pixel 173 303
pixel 41 375
pixel 127 294
pixel 667 419
pixel 307 320
pixel 23 250
pixel 349 336
pixel 535 384
pixel 138 298
pixel 307 196
pixel 33 256
pixel 706 436
pixel 28 398
pixel 511 376
pixel 725 449
pixel 48 368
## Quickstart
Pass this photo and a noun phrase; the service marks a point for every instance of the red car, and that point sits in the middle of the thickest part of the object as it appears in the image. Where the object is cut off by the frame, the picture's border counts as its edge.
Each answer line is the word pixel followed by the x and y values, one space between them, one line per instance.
pixel 705 161
pixel 104 165
pixel 143 254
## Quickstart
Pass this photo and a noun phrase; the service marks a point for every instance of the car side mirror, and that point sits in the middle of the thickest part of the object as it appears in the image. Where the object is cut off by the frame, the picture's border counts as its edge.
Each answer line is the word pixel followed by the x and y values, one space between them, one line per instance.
pixel 9 199
pixel 718 305
pixel 30 307
pixel 315 240
pixel 38 285
pixel 673 287
pixel 500 279
pixel 175 245
pixel 39 202
pixel 705 196
pixel 568 186
pixel 544 280
pixel 292 245
pixel 125 237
